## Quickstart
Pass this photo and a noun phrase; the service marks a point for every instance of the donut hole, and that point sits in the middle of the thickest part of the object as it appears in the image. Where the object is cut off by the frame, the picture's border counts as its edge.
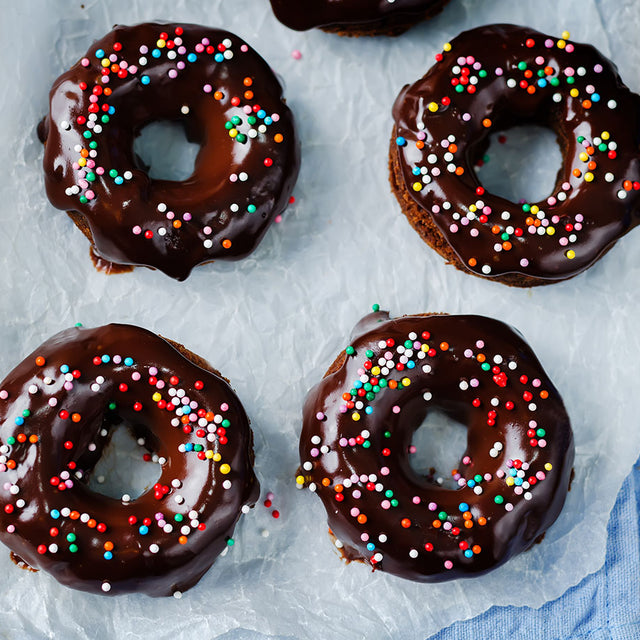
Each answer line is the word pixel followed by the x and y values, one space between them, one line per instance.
pixel 121 469
pixel 437 447
pixel 520 164
pixel 163 150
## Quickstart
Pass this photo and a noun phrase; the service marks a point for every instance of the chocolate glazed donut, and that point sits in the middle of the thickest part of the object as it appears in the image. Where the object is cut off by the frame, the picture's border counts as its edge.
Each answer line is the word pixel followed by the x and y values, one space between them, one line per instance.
pixel 358 422
pixel 356 17
pixel 58 410
pixel 492 78
pixel 228 100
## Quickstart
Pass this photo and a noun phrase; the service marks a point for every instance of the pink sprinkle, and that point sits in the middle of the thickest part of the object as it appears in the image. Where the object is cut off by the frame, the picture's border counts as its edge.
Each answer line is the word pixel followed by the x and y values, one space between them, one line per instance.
pixel 206 42
pixel 105 79
pixel 144 49
pixel 90 195
pixel 539 60
pixel 598 68
pixel 182 50
pixel 551 201
pixel 385 504
pixel 233 178
pixel 352 442
pixel 113 58
pixel 355 512
pixel 296 55
pixel 10 529
pixel 540 475
pixel 135 376
pixel 448 564
pixel 343 442
pixel 53 402
pixel 207 88
pixel 566 186
pixel 384 471
pixel 85 62
pixel 412 449
pixel 395 409
pixel 461 60
pixel 446 526
pixel 320 415
pixel 170 215
pixel 137 230
pixel 499 71
pixel 4 394
pixel 199 48
pixel 244 48
pixel 563 242
pixel 579 218
pixel 466 117
pixel 275 117
pixel 3 468
pixel 93 98
pixel 500 473
pixel 133 69
pixel 432 506
pixel 181 65
pixel 542 443
pixel 536 383
pixel 314 452
pixel 569 71
pixel 186 216
pixel 356 494
pixel 364 537
pixel 153 371
pixel 569 48
pixel 466 460
pixel 453 228
pixel 416 499
pixel 548 43
pixel 278 219
pixel 172 73
pixel 487 477
pixel 343 408
pixel 159 516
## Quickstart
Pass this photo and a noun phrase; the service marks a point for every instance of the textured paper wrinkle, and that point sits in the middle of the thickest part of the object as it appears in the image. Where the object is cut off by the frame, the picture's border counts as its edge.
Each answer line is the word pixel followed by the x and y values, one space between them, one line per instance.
pixel 274 322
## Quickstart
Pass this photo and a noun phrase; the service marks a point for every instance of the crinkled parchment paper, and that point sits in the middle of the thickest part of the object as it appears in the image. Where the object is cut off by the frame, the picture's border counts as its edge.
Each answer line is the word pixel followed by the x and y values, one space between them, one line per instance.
pixel 274 322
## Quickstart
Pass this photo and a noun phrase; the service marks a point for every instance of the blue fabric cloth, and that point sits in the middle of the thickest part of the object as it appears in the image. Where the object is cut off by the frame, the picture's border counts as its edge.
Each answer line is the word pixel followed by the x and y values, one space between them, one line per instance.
pixel 604 606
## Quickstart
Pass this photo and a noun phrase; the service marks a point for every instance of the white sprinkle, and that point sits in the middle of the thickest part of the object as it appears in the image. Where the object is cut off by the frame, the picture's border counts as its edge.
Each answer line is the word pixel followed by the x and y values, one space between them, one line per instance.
pixel 126 497
pixel 177 595
pixel 106 587
pixel 154 548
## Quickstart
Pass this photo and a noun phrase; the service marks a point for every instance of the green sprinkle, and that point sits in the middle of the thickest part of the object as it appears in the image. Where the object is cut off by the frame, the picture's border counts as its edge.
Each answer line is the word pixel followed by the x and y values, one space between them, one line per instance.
pixel 73 548
pixel 477 478
pixel 498 499
pixel 90 176
pixel 112 406
pixel 526 208
pixel 350 351
pixel 178 517
pixel 78 324
pixel 87 134
pixel 541 433
pixel 252 208
pixel 482 73
pixel 369 353
pixel 394 503
pixel 228 126
pixel 408 344
pixel 376 307
pixel 370 396
pixel 366 444
pixel 71 537
pixel 93 144
pixel 554 82
pixel 442 515
pixel 236 120
pixel 522 66
pixel 383 382
pixel 459 88
pixel 26 413
pixel 230 542
pixel 580 139
pixel 387 434
pixel 252 119
pixel 83 200
pixel 388 493
pixel 505 236
pixel 105 118
pixel 241 138
pixel 485 366
pixel 113 173
pixel 225 423
pixel 11 440
pixel 602 147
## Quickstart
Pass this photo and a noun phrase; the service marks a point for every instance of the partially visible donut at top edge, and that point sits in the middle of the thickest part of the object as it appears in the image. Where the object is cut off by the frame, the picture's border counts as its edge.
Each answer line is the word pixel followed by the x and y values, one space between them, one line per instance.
pixel 228 100
pixel 487 80
pixel 356 17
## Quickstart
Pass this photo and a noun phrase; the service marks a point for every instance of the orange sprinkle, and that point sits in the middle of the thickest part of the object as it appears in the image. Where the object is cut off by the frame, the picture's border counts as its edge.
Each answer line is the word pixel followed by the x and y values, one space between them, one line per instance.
pixel 459 171
pixel 453 147
pixel 548 71
pixel 184 419
pixel 495 229
pixel 592 165
pixel 419 144
pixel 91 523
pixel 278 138
pixel 506 246
pixel 247 82
pixel 108 545
pixel 115 67
pixel 326 482
pixel 590 150
pixel 537 223
pixel 453 472
pixel 482 521
pixel 84 153
pixel 218 95
pixel 339 488
pixel 444 346
pixel 182 539
pixel 436 524
pixel 528 73
pixel 393 384
pixel 40 361
pixel 76 417
pixel 476 548
pixel 544 394
pixel 74 515
pixel 210 416
pixel 481 357
pixel 468 524
pixel 248 95
pixel 586 104
pixel 226 243
pixel 177 224
pixel 531 89
pixel 405 522
pixel 467 515
pixel 21 437
pixel 362 518
pixel 11 464
pixel 472 262
pixel 486 123
pixel 33 439
pixel 107 91
pixel 529 221
pixel 627 185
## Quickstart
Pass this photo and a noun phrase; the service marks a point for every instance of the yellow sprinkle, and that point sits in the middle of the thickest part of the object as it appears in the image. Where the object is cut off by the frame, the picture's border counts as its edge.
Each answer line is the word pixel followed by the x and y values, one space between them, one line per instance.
pixel 551 231
pixel 82 162
pixel 447 46
pixel 561 44
pixel 156 397
pixel 375 371
pixel 584 156
pixel 406 382
pixel 425 347
pixel 161 43
pixel 105 62
pixel 209 454
pixel 574 93
pixel 300 479
pixel 225 468
pixel 217 457
pixel 548 466
pixel 535 209
pixel 589 176
pixel 566 35
pixel 355 416
pixel 571 254
pixel 472 207
pixel 605 135
pixel 233 133
pixel 510 481
pixel 432 106
pixel 417 186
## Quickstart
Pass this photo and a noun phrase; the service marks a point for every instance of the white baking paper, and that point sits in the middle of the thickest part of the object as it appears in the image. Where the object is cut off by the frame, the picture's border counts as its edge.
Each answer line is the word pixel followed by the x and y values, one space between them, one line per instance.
pixel 274 322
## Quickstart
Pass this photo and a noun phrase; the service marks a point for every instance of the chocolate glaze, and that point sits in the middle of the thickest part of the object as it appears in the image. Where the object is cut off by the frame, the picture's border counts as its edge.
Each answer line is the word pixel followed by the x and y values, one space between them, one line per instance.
pixel 602 122
pixel 72 415
pixel 237 188
pixel 359 480
pixel 350 13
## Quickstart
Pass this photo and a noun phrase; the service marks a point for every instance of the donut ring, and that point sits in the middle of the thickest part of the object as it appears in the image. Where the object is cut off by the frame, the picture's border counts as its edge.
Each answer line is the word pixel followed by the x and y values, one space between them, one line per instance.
pixel 356 17
pixel 512 480
pixel 58 409
pixel 228 100
pixel 489 79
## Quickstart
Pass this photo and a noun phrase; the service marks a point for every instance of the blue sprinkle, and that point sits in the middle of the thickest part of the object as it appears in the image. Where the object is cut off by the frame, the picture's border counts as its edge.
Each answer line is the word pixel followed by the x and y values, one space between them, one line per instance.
pixel 118 180
pixel 64 368
pixel 357 384
pixel 143 530
pixel 463 506
pixel 108 555
pixel 192 57
pixel 218 57
pixel 156 53
pixel 513 472
pixel 100 53
pixel 400 141
pixel 518 481
pixel 595 97
pixel 411 364
pixel 145 79
pixel 105 358
pixel 416 171
pixel 128 361
pixel 471 484
pixel 368 410
pixel 542 82
pixel 112 110
pixel 54 513
pixel 261 114
pixel 268 120
pixel 371 546
pixel 19 421
pixel 188 446
pixel 468 553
